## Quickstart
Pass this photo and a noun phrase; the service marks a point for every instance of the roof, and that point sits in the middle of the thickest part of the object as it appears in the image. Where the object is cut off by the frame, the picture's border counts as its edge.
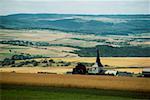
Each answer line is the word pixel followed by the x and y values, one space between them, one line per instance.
pixel 146 70
pixel 95 65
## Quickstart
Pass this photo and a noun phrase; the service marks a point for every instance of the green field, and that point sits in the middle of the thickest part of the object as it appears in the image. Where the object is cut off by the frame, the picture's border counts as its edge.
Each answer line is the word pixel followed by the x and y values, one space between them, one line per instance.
pixel 16 92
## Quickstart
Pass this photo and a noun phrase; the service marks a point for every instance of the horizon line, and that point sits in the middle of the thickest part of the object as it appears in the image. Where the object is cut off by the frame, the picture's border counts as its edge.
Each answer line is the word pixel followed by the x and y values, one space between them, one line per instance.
pixel 78 14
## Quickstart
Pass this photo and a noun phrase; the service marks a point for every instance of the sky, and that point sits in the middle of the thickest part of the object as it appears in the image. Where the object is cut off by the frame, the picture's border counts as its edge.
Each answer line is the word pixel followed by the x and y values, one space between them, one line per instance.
pixel 75 6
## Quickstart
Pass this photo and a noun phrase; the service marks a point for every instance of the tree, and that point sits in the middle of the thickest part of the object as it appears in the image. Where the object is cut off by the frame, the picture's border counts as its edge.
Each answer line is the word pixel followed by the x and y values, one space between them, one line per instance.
pixel 7 61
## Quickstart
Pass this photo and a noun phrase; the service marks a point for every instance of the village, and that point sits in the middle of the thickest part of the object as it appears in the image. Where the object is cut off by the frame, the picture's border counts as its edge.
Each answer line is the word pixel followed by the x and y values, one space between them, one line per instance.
pixel 97 68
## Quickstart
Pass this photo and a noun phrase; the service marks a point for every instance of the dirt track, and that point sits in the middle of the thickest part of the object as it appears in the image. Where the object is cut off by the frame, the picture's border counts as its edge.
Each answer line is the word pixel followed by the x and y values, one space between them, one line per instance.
pixel 80 81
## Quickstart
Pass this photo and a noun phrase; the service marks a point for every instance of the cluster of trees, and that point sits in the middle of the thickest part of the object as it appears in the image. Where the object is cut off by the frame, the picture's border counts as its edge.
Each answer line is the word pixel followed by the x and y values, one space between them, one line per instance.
pixel 44 63
pixel 108 51
pixel 86 64
pixel 7 61
pixel 63 63
pixel 24 43
pixel 20 64
pixel 12 63
pixel 97 40
pixel 24 56
pixel 31 43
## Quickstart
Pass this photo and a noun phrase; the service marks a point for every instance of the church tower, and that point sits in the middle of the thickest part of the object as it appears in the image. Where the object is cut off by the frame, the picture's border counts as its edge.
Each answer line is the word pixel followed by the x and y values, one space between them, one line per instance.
pixel 98 59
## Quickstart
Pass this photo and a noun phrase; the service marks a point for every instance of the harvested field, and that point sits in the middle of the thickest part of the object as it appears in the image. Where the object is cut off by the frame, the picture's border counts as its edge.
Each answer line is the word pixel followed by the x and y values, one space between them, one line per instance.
pixel 58 70
pixel 132 70
pixel 78 81
pixel 113 61
pixel 130 64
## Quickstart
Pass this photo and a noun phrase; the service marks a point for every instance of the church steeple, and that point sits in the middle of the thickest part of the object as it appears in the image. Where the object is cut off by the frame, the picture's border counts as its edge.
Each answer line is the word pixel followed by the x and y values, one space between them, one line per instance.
pixel 98 59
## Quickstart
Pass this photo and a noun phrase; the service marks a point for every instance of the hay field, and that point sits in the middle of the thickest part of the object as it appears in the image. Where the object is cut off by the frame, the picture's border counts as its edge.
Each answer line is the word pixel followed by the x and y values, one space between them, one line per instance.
pixel 58 70
pixel 78 81
pixel 122 62
pixel 113 61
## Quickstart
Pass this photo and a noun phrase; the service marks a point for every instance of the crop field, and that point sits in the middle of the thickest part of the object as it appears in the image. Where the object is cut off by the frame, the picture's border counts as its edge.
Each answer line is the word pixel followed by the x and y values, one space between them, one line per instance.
pixel 62 87
pixel 63 44
pixel 130 64
pixel 26 92
pixel 113 61
pixel 80 81
pixel 39 53
pixel 24 83
pixel 58 70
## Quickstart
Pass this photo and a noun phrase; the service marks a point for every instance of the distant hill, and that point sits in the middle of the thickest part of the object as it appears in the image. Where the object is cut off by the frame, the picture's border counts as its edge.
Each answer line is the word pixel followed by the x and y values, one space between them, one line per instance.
pixel 86 24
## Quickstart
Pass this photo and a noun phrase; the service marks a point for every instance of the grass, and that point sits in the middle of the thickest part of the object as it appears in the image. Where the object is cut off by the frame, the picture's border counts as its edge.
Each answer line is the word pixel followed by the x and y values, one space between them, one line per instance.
pixel 24 92
pixel 5 55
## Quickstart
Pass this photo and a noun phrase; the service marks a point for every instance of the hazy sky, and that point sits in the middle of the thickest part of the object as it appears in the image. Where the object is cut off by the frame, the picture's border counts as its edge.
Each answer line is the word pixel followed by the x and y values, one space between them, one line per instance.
pixel 75 6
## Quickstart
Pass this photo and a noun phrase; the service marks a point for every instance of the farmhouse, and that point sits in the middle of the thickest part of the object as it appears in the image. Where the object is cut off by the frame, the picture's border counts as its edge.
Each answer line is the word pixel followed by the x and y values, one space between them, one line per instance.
pixel 146 72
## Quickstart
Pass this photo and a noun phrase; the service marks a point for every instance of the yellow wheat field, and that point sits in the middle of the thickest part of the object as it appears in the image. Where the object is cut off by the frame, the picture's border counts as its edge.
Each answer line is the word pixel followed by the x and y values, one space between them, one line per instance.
pixel 58 70
pixel 79 81
pixel 113 61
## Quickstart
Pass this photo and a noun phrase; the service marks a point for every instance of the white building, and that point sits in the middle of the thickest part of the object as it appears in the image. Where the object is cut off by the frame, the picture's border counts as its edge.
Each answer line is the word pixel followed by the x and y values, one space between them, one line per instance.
pixel 146 72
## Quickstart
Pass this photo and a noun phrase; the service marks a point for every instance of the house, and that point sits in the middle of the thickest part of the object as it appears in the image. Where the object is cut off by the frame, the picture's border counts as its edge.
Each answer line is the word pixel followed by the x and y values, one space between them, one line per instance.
pixel 146 72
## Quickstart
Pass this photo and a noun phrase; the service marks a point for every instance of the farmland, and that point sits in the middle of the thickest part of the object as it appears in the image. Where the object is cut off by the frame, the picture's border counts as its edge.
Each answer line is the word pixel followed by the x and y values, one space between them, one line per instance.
pixel 52 43
pixel 36 51
pixel 129 64
pixel 58 70
pixel 24 92
pixel 113 61
pixel 80 81
pixel 89 87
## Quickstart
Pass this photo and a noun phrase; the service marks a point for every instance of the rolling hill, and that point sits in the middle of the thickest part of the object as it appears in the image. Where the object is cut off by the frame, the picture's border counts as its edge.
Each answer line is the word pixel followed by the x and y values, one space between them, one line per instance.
pixel 86 24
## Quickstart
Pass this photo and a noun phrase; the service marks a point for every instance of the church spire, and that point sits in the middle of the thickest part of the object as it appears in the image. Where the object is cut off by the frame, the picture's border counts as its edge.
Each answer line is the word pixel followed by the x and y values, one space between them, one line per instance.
pixel 98 59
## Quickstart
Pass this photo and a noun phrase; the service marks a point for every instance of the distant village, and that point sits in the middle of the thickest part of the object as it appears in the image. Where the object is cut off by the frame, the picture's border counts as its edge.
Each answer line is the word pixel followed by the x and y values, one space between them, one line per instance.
pixel 97 68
